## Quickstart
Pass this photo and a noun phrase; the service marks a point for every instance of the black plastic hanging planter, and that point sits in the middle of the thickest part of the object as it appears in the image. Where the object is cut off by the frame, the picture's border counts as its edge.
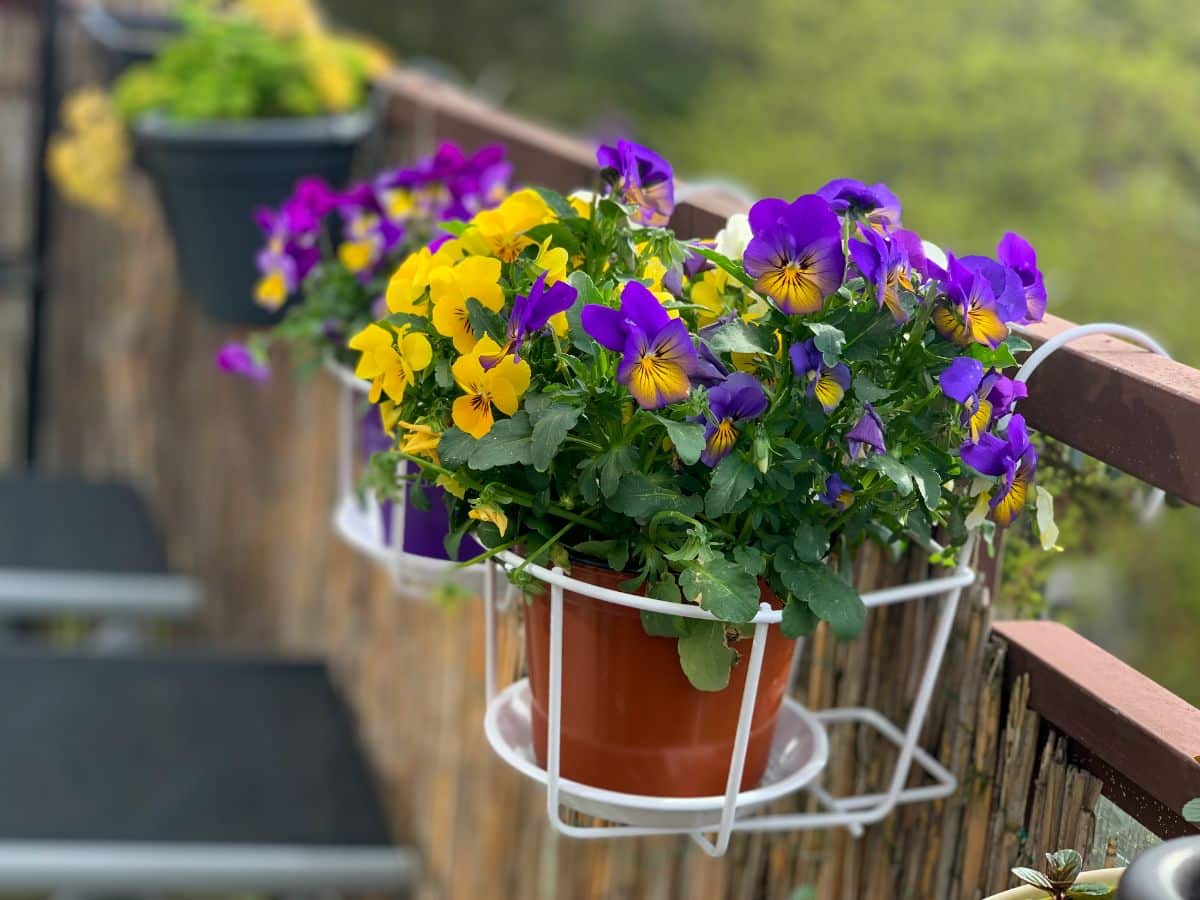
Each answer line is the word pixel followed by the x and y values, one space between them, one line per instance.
pixel 212 176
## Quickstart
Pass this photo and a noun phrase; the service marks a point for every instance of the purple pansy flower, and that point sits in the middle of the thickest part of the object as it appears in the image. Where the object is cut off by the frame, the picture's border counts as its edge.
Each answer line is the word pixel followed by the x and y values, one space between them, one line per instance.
pixel 883 260
pixel 739 398
pixel 866 437
pixel 985 398
pixel 837 493
pixel 532 312
pixel 827 383
pixel 237 359
pixel 796 254
pixel 658 356
pixel 641 178
pixel 981 296
pixel 367 233
pixel 876 203
pixel 1018 254
pixel 1012 457
pixel 961 378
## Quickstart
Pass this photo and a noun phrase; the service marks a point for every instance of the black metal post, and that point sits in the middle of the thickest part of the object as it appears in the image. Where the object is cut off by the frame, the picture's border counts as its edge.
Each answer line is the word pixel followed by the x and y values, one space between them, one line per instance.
pixel 48 98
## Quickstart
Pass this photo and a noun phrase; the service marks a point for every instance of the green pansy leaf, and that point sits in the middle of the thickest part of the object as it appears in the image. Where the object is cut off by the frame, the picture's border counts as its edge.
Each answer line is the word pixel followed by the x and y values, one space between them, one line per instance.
pixel 614 465
pixel 560 236
pixel 927 479
pixel 455 447
pixel 894 470
pixel 828 340
pixel 484 321
pixel 557 202
pixel 507 444
pixel 640 497
pixel 1000 357
pixel 798 620
pixel 455 226
pixel 733 477
pixel 583 284
pixel 614 553
pixel 551 429
pixel 741 337
pixel 442 374
pixel 733 267
pixel 750 559
pixel 688 438
pixel 660 624
pixel 1191 811
pixel 704 657
pixel 828 596
pixel 811 542
pixel 868 391
pixel 723 588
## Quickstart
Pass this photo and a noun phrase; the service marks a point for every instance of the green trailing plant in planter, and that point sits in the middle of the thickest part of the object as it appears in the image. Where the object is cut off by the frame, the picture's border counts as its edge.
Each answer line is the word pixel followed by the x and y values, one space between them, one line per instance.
pixel 1059 878
pixel 230 114
pixel 716 423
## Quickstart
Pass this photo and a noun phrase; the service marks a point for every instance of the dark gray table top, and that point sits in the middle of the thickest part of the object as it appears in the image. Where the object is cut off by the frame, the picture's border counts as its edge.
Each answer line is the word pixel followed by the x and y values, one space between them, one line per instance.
pixel 199 749
pixel 64 523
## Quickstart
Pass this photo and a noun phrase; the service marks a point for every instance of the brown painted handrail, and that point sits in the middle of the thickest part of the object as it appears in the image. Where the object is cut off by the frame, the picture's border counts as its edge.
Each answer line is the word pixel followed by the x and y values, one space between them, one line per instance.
pixel 1118 403
pixel 1137 736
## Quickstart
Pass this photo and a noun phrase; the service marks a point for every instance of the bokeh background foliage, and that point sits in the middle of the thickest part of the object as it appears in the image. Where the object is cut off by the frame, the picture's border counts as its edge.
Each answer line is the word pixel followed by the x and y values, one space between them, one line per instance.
pixel 1075 122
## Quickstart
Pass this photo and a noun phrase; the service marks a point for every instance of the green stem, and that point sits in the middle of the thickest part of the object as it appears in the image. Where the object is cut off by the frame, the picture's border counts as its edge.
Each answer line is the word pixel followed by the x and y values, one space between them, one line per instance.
pixel 488 554
pixel 542 549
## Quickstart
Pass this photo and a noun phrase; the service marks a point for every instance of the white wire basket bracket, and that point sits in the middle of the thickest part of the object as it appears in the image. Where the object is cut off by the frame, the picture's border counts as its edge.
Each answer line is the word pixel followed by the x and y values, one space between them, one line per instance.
pixel 358 517
pixel 798 754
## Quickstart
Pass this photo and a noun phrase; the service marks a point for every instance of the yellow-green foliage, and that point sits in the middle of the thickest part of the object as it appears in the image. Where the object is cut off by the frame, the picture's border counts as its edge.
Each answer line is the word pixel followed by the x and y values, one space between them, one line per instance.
pixel 237 63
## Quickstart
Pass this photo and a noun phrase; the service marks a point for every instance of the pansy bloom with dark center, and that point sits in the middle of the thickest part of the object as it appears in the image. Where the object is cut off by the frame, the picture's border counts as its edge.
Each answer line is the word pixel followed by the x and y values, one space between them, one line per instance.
pixel 883 258
pixel 740 398
pixel 1012 457
pixel 837 493
pixel 985 398
pixel 981 296
pixel 641 178
pixel 796 254
pixel 828 384
pixel 658 357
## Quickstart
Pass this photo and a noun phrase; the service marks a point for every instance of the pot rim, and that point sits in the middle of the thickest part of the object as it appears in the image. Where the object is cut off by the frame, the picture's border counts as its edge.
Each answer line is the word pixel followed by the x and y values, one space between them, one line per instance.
pixel 123 32
pixel 347 127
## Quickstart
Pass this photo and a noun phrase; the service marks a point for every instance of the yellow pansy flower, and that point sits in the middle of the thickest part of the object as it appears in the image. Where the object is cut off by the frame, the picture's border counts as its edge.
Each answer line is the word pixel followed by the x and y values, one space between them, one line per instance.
pixel 581 202
pixel 406 288
pixel 451 286
pixel 501 386
pixel 707 293
pixel 487 512
pixel 552 261
pixel 420 440
pixel 271 290
pixel 390 364
pixel 501 231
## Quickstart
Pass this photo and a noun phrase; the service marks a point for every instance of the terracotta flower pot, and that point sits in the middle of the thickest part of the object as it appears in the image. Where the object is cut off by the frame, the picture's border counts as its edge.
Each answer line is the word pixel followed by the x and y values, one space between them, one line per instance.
pixel 631 721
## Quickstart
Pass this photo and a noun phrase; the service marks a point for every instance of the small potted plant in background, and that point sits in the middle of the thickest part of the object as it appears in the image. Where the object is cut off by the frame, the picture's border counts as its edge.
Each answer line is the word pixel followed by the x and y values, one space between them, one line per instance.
pixel 227 116
pixel 1061 878
pixel 335 251
pixel 712 427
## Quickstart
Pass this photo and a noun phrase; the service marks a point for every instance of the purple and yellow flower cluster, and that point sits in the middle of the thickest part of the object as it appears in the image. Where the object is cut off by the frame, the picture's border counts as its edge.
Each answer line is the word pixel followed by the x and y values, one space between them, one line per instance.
pixel 813 362
pixel 375 219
